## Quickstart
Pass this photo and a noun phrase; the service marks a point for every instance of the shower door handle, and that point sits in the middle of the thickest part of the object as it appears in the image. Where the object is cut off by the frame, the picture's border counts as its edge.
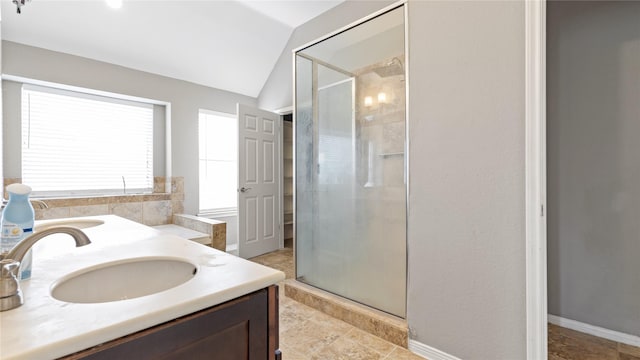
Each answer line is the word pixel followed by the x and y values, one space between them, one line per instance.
pixel 244 189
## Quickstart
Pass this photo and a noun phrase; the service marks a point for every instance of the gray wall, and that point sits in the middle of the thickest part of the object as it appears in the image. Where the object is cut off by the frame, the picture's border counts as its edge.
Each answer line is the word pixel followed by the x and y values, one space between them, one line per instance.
pixel 466 292
pixel 593 122
pixel 466 233
pixel 186 98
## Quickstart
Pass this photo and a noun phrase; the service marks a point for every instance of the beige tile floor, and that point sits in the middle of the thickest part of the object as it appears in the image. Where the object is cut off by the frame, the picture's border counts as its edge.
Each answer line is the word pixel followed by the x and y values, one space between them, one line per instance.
pixel 308 334
pixel 567 344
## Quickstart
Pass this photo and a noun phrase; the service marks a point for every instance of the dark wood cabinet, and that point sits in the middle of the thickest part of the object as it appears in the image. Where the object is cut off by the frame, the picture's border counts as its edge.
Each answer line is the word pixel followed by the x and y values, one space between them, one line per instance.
pixel 245 328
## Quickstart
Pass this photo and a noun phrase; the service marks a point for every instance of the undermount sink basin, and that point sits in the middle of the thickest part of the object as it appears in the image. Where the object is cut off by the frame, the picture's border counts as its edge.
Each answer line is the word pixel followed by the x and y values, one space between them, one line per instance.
pixel 122 280
pixel 79 223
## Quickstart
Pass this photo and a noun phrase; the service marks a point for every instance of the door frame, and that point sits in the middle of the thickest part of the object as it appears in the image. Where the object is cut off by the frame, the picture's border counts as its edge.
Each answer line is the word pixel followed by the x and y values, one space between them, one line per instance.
pixel 535 179
pixel 282 112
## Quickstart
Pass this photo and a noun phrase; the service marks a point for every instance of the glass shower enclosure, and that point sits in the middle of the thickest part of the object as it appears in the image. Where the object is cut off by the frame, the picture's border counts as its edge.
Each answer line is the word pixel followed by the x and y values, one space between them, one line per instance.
pixel 350 168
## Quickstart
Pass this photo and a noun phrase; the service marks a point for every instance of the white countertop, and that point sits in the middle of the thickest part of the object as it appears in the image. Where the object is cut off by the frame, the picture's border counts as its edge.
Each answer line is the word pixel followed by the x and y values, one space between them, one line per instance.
pixel 46 328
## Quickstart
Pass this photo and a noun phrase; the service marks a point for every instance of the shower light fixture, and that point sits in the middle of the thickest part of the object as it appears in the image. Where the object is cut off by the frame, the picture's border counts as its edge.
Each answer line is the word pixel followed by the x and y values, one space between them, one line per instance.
pixel 382 99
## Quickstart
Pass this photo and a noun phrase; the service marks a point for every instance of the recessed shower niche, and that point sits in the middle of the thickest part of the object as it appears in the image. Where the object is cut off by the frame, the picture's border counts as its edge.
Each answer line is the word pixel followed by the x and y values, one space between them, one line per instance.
pixel 350 163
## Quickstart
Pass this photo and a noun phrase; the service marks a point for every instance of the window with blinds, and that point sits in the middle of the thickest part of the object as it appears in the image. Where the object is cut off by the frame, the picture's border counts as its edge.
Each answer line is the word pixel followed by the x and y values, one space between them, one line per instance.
pixel 84 144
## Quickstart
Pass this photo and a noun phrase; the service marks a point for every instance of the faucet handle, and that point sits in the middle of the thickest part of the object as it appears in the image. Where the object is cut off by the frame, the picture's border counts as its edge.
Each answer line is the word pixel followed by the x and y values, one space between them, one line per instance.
pixel 9 268
pixel 10 293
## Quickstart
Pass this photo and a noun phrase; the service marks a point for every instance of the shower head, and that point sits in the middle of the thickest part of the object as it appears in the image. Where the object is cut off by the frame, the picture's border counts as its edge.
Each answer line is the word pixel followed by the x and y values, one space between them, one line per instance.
pixel 391 68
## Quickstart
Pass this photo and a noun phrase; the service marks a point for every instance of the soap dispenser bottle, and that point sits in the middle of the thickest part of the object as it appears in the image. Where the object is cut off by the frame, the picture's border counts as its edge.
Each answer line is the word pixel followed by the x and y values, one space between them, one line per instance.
pixel 17 223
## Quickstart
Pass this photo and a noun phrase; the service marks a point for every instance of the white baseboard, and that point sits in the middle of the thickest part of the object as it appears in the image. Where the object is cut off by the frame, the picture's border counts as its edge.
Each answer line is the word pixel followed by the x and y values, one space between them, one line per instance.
pixel 428 352
pixel 595 330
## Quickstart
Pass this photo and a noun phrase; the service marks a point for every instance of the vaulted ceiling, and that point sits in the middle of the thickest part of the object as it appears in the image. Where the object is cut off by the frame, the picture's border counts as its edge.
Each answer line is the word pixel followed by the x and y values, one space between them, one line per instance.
pixel 230 45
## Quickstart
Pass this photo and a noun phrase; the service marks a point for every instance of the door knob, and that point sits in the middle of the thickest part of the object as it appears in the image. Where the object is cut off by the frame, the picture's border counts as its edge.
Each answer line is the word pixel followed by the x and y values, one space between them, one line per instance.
pixel 244 189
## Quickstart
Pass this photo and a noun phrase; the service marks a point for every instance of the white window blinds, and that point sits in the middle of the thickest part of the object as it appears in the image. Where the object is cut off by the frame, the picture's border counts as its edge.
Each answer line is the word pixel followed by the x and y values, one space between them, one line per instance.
pixel 81 144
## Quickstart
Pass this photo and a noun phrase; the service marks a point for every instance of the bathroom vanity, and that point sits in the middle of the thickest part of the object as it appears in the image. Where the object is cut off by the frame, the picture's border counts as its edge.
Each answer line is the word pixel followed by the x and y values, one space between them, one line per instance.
pixel 244 328
pixel 115 304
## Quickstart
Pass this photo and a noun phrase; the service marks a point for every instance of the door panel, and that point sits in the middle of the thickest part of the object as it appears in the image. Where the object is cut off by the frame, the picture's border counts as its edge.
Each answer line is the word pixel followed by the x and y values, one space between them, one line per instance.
pixel 268 152
pixel 251 161
pixel 268 216
pixel 251 218
pixel 258 182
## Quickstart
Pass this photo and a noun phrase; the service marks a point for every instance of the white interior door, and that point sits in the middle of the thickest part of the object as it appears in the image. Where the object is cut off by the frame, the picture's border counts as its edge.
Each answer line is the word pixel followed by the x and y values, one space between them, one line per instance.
pixel 258 181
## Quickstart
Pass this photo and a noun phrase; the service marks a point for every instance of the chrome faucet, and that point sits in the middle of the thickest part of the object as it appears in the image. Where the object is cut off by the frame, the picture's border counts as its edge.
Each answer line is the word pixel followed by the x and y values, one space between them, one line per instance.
pixel 10 292
pixel 37 204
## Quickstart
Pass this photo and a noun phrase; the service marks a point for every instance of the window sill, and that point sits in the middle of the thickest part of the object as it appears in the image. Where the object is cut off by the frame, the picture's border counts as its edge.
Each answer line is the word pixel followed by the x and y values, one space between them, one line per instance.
pixel 105 199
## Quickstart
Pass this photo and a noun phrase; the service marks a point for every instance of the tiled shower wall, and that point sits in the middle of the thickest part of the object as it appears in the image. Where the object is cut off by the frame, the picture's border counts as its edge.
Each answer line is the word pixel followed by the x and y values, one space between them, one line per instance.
pixel 381 129
pixel 149 209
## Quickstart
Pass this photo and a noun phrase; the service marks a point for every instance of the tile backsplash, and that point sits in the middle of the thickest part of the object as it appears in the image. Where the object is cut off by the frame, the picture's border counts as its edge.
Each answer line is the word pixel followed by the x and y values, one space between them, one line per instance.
pixel 149 209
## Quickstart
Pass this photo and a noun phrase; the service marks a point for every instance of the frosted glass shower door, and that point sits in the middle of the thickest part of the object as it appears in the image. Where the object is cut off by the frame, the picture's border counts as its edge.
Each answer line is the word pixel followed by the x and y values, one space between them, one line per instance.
pixel 332 183
pixel 350 188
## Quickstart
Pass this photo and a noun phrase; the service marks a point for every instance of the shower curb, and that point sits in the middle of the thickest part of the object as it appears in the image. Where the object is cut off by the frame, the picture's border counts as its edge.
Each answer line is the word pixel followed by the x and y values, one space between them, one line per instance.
pixel 375 322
